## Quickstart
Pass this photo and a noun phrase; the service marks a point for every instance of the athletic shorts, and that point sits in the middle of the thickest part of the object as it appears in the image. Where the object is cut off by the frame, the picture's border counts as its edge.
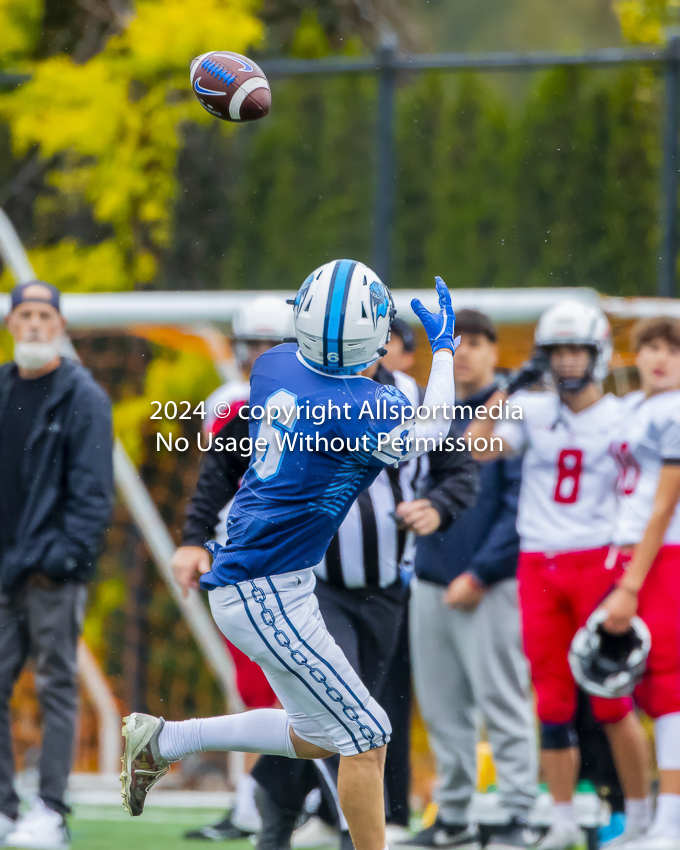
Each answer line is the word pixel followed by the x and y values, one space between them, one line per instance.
pixel 251 683
pixel 557 594
pixel 659 606
pixel 276 622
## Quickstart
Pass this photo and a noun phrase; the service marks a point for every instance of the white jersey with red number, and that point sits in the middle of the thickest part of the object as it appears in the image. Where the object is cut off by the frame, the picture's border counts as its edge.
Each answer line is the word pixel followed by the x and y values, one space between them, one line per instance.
pixel 568 496
pixel 649 437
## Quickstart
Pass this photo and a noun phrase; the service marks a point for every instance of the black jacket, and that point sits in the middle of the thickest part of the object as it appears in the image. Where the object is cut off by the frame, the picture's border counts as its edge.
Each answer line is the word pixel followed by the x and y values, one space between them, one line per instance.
pixel 484 540
pixel 451 483
pixel 68 467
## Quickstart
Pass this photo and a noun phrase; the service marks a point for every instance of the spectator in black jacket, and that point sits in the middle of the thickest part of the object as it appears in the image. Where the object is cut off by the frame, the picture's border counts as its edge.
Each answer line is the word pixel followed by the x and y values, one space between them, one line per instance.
pixel 465 636
pixel 56 496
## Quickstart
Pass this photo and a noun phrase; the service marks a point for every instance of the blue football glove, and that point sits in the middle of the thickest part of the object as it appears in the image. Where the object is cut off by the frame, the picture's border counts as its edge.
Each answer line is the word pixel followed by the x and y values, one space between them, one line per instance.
pixel 438 326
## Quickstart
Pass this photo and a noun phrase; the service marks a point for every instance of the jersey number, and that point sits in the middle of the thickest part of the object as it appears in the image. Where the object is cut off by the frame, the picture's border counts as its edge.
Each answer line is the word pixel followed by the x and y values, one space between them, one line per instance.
pixel 629 469
pixel 568 476
pixel 268 460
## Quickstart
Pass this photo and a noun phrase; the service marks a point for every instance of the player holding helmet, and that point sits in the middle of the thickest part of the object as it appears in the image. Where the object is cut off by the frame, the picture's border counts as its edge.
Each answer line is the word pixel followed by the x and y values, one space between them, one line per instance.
pixel 287 510
pixel 566 515
pixel 647 534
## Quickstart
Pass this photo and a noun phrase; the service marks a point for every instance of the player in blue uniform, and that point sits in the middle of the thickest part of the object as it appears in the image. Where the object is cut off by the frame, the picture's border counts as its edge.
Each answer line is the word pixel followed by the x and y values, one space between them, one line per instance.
pixel 322 435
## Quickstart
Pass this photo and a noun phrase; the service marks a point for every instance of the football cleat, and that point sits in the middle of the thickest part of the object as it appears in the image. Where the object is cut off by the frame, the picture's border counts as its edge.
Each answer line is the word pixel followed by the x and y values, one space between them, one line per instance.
pixel 510 836
pixel 563 837
pixel 630 834
pixel 41 828
pixel 652 840
pixel 143 765
pixel 446 836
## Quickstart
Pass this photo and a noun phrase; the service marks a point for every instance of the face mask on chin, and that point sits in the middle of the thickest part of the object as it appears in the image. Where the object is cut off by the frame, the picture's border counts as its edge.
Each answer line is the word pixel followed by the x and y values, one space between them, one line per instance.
pixel 35 355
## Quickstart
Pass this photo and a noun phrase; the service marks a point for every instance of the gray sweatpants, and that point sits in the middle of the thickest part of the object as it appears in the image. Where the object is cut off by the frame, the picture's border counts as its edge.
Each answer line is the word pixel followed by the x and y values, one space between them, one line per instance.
pixel 43 622
pixel 469 666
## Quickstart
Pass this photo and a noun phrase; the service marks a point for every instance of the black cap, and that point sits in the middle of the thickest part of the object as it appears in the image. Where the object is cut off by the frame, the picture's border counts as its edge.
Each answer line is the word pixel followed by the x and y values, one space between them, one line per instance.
pixel 51 296
pixel 475 322
pixel 405 333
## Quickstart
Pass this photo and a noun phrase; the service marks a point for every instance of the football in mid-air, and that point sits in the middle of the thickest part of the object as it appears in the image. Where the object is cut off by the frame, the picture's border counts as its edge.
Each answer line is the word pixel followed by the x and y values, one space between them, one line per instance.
pixel 230 86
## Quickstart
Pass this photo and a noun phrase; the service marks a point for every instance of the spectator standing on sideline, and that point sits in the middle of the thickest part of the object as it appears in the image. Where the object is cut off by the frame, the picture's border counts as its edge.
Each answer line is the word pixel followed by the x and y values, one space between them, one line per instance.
pixel 56 498
pixel 464 603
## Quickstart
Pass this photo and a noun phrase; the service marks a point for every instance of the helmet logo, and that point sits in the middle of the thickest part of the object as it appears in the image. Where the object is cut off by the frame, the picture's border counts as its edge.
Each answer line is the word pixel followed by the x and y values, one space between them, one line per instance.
pixel 302 292
pixel 379 301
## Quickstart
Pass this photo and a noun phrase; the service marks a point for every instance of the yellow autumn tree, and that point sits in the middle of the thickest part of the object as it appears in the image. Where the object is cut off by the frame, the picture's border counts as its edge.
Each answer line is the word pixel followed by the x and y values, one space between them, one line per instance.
pixel 110 128
pixel 646 21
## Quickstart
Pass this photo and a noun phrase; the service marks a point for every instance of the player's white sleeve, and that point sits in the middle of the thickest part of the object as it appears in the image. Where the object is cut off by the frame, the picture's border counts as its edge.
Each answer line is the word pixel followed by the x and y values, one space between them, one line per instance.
pixel 420 435
pixel 513 432
pixel 669 439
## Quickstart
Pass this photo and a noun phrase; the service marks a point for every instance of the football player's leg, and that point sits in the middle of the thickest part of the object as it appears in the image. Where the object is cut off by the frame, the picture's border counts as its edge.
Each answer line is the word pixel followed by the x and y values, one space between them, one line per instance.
pixel 547 629
pixel 659 692
pixel 329 708
pixel 623 730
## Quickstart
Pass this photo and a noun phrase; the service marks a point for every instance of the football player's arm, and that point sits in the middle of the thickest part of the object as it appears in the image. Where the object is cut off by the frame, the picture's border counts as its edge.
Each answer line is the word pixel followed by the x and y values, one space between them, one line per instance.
pixel 506 440
pixel 415 436
pixel 485 429
pixel 622 603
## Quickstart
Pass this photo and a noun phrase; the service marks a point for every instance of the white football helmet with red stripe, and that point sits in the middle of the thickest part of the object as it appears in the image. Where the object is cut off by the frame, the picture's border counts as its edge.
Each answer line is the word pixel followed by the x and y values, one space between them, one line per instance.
pixel 574 322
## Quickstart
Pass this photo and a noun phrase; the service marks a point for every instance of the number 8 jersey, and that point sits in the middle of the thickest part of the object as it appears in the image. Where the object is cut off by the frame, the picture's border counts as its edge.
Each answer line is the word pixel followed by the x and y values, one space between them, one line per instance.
pixel 568 496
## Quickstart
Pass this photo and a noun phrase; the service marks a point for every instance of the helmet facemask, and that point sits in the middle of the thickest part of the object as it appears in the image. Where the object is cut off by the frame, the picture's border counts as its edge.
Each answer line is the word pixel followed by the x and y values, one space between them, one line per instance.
pixel 572 386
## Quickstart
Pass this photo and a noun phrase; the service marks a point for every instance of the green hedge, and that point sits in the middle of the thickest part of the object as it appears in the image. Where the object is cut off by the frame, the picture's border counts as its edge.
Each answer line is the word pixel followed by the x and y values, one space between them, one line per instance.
pixel 555 186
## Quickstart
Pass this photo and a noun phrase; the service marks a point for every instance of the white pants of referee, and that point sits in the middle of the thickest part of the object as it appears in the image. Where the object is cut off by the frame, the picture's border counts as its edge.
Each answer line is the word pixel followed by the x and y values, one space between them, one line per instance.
pixel 470 667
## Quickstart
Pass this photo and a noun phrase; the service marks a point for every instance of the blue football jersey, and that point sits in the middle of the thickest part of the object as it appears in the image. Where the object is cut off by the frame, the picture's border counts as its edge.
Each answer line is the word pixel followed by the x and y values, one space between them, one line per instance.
pixel 313 454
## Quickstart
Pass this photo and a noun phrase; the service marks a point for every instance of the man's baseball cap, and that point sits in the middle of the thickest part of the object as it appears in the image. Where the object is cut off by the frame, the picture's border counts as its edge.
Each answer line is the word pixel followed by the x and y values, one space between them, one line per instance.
pixel 43 292
pixel 405 333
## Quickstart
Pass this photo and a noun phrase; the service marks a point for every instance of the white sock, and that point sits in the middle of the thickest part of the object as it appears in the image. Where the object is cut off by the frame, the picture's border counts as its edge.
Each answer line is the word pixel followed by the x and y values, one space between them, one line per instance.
pixel 638 814
pixel 245 808
pixel 667 817
pixel 563 814
pixel 667 737
pixel 264 730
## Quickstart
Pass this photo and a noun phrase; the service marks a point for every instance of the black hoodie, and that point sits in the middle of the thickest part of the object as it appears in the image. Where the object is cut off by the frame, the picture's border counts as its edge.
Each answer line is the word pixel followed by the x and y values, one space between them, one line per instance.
pixel 67 473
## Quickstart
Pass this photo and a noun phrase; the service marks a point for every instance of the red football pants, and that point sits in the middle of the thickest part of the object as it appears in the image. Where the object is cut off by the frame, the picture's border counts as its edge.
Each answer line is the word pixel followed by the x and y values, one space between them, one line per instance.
pixel 252 684
pixel 557 594
pixel 659 606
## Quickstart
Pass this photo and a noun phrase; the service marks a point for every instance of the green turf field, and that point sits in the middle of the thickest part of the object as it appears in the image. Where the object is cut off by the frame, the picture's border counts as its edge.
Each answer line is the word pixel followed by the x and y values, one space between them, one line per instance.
pixel 110 828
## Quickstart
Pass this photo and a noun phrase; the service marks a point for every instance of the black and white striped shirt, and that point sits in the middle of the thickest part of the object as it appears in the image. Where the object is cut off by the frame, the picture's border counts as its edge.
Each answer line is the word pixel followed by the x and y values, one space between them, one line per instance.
pixel 368 548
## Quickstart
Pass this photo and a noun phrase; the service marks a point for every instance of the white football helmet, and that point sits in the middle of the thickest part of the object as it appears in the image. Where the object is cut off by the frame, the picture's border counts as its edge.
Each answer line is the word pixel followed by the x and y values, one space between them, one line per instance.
pixel 266 318
pixel 342 315
pixel 608 665
pixel 577 323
